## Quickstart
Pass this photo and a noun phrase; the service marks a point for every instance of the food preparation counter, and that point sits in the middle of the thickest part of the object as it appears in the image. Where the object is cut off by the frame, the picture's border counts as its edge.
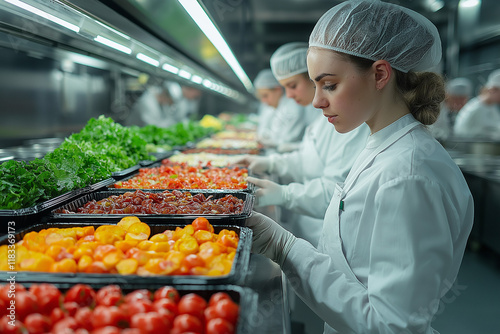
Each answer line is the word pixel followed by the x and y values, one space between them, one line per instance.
pixel 266 279
pixel 482 173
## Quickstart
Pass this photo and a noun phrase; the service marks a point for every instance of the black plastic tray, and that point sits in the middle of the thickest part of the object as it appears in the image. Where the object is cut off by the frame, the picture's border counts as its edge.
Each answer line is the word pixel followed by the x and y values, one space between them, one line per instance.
pixel 246 298
pixel 232 219
pixel 249 189
pixel 236 275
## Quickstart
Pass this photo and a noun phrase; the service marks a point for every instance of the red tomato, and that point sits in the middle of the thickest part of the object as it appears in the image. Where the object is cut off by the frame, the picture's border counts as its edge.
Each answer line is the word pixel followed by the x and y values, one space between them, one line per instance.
pixel 26 303
pixel 57 314
pixel 167 304
pixel 109 295
pixel 8 291
pixel 109 316
pixel 107 330
pixel 228 310
pixel 6 328
pixel 217 297
pixel 81 331
pixel 219 326
pixel 70 308
pixel 210 313
pixel 138 294
pixel 83 317
pixel 131 331
pixel 3 307
pixel 48 296
pixel 62 326
pixel 137 306
pixel 201 223
pixel 37 324
pixel 192 304
pixel 187 323
pixel 150 322
pixel 82 294
pixel 167 292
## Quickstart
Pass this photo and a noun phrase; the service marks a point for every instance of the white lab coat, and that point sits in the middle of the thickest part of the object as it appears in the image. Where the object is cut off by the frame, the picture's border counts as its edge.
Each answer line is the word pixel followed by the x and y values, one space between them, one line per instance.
pixel 393 237
pixel 477 119
pixel 289 122
pixel 265 114
pixel 148 111
pixel 324 159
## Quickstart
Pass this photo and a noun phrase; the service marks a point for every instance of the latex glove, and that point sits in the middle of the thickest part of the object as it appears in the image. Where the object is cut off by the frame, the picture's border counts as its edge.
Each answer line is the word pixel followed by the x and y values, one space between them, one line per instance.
pixel 269 192
pixel 256 164
pixel 269 238
pixel 288 147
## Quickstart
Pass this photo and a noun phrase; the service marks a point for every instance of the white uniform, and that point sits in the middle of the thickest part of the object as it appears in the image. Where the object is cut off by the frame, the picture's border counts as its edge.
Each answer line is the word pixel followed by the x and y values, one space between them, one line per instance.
pixel 323 160
pixel 477 119
pixel 289 122
pixel 266 113
pixel 393 237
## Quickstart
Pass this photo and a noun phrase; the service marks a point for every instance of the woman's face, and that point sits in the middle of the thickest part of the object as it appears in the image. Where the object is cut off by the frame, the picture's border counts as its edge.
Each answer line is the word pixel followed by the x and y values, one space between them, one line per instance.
pixel 343 92
pixel 270 96
pixel 299 88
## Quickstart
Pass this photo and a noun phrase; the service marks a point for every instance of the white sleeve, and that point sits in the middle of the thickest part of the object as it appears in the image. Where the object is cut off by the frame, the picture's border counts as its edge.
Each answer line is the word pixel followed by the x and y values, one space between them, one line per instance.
pixel 468 122
pixel 312 197
pixel 287 165
pixel 411 252
pixel 288 123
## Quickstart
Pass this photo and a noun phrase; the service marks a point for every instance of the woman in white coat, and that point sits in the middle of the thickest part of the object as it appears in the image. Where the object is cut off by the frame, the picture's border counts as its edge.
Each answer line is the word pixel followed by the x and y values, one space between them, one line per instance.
pixel 324 158
pixel 480 117
pixel 288 122
pixel 395 231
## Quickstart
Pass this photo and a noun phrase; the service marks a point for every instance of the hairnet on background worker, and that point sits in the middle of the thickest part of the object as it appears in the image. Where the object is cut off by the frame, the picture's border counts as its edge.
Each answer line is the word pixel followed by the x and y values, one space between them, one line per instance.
pixel 480 117
pixel 288 121
pixel 396 229
pixel 324 158
pixel 458 92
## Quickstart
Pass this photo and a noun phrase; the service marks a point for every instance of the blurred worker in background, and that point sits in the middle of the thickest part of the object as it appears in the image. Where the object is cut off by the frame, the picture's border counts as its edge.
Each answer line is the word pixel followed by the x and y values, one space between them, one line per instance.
pixel 395 231
pixel 323 159
pixel 288 121
pixel 165 104
pixel 458 92
pixel 480 117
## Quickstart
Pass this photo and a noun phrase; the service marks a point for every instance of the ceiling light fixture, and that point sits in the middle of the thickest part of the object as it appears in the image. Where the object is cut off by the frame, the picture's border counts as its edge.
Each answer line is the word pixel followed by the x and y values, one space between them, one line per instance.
pixel 113 44
pixel 206 25
pixel 469 3
pixel 147 59
pixel 45 15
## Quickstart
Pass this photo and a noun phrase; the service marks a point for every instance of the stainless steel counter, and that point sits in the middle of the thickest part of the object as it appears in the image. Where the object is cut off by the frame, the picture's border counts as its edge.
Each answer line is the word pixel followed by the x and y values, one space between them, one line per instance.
pixel 266 279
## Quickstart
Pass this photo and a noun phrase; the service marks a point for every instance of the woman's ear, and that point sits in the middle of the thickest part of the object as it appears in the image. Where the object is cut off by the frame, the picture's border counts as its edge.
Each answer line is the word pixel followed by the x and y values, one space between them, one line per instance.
pixel 383 73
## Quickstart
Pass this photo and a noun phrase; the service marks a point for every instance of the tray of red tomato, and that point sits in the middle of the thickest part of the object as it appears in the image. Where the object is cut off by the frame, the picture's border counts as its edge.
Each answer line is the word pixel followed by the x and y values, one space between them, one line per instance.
pixel 183 176
pixel 130 251
pixel 121 309
pixel 180 205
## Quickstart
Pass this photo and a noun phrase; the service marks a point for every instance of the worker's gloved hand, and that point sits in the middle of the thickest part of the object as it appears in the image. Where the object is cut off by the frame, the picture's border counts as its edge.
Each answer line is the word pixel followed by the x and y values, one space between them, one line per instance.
pixel 288 147
pixel 269 193
pixel 269 238
pixel 256 164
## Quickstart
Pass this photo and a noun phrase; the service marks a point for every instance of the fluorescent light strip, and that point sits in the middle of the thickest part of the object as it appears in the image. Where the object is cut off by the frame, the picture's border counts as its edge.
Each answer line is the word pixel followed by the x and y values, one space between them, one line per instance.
pixel 201 18
pixel 197 79
pixel 207 83
pixel 113 44
pixel 184 74
pixel 170 68
pixel 148 59
pixel 45 15
pixel 113 30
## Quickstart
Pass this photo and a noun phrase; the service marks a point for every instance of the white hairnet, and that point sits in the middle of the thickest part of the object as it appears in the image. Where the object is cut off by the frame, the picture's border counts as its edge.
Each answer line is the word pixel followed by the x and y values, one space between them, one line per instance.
pixel 493 79
pixel 289 60
pixel 459 86
pixel 265 79
pixel 377 30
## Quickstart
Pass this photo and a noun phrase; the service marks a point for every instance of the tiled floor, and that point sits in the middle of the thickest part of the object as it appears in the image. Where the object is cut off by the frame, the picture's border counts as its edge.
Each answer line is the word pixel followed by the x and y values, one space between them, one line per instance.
pixel 472 306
